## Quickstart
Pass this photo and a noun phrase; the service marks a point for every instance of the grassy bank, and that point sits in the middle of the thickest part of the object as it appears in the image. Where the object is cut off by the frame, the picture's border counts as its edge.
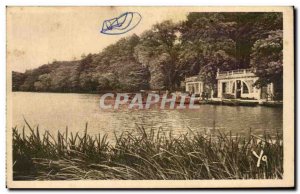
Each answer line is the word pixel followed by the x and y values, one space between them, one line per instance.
pixel 148 155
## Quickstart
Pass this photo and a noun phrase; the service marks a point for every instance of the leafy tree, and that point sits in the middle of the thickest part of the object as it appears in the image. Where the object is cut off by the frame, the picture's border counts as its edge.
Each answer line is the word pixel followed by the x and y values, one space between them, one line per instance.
pixel 267 58
pixel 157 51
pixel 250 27
pixel 206 43
pixel 212 41
pixel 165 54
pixel 17 80
pixel 43 83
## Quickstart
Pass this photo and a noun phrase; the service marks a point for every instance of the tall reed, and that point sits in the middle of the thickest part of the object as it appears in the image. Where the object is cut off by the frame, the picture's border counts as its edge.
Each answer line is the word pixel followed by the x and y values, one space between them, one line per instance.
pixel 144 155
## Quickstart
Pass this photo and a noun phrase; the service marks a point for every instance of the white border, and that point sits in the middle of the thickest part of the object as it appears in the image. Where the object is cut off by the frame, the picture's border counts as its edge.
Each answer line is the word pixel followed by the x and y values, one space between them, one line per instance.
pixel 93 2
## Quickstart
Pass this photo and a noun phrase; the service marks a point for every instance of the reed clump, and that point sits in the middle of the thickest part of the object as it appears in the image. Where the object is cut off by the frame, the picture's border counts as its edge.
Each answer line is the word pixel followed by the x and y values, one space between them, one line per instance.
pixel 145 155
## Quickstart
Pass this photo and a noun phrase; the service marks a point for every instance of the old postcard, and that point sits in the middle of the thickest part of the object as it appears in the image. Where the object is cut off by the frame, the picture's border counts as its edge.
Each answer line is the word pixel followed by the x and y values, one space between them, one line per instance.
pixel 150 97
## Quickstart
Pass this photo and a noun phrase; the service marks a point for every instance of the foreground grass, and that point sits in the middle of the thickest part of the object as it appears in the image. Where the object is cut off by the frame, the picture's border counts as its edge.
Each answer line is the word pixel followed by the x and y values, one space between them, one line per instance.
pixel 148 155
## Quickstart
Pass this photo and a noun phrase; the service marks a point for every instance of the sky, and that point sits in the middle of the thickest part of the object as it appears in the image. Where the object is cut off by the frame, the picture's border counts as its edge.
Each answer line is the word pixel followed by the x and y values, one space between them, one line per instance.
pixel 40 35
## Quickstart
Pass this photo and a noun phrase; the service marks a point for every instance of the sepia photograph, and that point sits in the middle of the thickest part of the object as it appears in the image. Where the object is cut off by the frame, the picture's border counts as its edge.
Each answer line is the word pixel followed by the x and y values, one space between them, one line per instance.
pixel 150 97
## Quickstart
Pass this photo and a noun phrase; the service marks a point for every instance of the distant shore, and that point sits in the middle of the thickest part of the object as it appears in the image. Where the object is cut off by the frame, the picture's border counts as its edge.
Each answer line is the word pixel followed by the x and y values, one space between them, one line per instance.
pixel 211 101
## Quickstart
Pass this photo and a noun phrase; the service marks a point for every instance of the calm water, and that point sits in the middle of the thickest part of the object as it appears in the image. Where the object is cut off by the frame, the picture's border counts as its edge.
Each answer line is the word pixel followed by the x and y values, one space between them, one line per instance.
pixel 54 112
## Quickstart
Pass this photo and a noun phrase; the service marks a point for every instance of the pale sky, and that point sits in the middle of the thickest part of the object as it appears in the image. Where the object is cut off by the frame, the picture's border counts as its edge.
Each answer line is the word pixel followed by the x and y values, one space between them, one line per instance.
pixel 38 35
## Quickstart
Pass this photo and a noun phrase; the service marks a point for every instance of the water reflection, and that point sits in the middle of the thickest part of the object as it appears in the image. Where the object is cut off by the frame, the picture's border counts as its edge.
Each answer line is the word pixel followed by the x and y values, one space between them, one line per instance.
pixel 56 111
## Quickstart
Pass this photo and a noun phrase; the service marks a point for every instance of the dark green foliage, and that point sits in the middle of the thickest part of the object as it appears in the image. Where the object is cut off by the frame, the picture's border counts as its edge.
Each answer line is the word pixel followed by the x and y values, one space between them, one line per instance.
pixel 225 41
pixel 17 80
pixel 168 52
pixel 267 58
pixel 141 155
pixel 113 69
pixel 159 52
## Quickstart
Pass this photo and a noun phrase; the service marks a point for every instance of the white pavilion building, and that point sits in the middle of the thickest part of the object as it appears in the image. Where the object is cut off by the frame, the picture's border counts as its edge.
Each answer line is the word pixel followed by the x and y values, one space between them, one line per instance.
pixel 239 84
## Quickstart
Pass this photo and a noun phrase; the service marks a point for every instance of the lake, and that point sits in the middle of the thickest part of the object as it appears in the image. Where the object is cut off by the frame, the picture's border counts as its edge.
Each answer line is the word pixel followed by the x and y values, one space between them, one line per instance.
pixel 55 111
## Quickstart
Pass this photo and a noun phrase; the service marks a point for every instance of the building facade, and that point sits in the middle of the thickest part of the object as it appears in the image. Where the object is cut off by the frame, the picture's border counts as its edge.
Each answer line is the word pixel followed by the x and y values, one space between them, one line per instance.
pixel 194 85
pixel 239 84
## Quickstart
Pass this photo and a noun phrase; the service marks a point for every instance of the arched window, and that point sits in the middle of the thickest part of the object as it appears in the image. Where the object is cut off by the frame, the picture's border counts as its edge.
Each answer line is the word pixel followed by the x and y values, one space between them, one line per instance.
pixel 245 88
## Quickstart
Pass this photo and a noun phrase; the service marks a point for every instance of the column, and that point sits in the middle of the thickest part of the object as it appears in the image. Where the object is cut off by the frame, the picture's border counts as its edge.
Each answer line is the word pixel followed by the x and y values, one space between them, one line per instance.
pixel 219 89
pixel 200 90
pixel 235 88
pixel 186 87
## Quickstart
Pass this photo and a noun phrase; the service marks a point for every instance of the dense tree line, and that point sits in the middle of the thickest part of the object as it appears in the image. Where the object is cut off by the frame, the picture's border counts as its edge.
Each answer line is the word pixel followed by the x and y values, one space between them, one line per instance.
pixel 168 52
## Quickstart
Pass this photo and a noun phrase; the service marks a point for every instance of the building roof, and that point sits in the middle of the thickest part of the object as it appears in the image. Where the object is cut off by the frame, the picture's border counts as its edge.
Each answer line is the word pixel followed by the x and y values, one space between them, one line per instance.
pixel 196 78
pixel 239 73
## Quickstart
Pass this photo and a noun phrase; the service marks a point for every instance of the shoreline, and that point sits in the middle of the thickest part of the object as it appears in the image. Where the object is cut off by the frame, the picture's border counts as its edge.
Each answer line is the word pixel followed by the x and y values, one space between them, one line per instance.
pixel 211 101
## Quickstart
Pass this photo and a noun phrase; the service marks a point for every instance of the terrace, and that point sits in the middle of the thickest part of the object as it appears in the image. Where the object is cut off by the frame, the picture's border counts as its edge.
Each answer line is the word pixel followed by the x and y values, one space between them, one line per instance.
pixel 235 73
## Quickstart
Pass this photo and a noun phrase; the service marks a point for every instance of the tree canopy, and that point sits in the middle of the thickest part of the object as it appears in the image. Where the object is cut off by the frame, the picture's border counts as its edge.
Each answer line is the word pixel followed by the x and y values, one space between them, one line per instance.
pixel 161 57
